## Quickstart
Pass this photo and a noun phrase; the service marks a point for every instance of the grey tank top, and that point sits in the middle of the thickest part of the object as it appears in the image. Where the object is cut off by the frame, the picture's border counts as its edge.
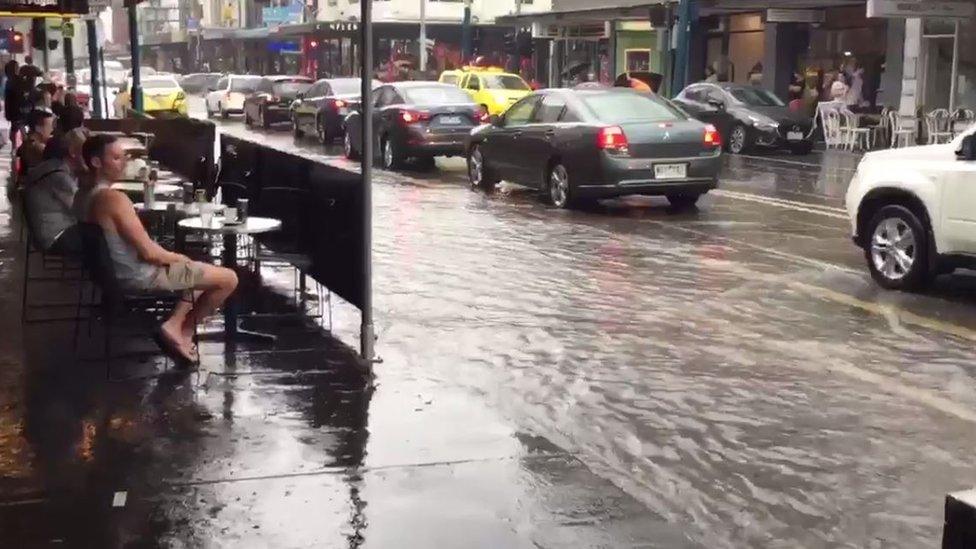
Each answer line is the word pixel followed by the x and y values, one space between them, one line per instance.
pixel 130 270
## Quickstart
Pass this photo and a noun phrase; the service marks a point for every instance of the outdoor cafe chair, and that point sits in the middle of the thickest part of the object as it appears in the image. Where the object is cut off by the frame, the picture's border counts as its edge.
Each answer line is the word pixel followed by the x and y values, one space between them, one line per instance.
pixel 903 129
pixel 119 303
pixel 938 126
pixel 961 120
pixel 855 136
pixel 68 269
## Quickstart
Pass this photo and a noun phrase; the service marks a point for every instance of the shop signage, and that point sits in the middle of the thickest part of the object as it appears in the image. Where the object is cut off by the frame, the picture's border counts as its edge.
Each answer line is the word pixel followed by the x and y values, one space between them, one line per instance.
pixel 779 15
pixel 287 15
pixel 920 8
pixel 27 7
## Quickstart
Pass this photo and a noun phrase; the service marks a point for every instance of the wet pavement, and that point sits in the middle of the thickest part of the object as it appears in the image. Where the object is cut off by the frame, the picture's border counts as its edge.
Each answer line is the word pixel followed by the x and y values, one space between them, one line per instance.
pixel 616 377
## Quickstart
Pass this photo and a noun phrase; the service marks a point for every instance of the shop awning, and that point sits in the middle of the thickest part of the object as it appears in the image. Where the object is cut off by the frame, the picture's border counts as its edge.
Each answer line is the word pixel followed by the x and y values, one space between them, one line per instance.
pixel 620 10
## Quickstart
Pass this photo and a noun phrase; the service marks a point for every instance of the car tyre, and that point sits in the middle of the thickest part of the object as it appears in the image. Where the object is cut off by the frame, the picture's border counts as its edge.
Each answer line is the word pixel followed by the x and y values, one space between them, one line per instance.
pixel 390 154
pixel 296 129
pixel 348 149
pixel 739 140
pixel 321 132
pixel 210 113
pixel 558 186
pixel 897 249
pixel 223 114
pixel 479 175
pixel 801 149
pixel 683 201
pixel 247 120
pixel 263 119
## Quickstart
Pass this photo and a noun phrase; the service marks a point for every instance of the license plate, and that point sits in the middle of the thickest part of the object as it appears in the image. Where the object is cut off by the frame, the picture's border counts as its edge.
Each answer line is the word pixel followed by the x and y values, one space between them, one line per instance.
pixel 670 171
pixel 794 136
pixel 450 120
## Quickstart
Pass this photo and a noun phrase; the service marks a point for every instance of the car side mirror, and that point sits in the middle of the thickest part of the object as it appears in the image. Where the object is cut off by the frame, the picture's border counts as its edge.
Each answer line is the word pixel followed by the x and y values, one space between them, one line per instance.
pixel 720 105
pixel 495 120
pixel 967 149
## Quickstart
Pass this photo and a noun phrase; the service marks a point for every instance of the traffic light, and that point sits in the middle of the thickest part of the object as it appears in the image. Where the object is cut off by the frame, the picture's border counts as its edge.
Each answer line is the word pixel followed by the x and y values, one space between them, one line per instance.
pixel 510 45
pixel 38 33
pixel 526 47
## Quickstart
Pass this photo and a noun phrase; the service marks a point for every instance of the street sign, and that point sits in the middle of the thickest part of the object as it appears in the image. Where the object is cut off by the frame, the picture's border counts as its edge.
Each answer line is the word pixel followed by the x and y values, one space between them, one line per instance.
pixel 920 8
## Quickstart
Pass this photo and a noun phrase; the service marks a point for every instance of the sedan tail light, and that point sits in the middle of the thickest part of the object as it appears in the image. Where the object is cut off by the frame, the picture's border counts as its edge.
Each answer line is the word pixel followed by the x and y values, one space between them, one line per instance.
pixel 613 139
pixel 413 117
pixel 338 104
pixel 712 137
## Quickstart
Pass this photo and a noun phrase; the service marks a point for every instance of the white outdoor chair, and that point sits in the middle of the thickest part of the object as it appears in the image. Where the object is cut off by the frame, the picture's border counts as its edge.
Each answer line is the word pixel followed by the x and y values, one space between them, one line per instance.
pixel 902 129
pixel 834 135
pixel 855 136
pixel 961 120
pixel 938 126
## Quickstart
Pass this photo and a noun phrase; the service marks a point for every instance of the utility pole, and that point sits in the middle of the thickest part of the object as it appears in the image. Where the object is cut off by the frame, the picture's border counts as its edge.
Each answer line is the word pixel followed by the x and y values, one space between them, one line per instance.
pixel 423 35
pixel 466 33
pixel 96 80
pixel 367 334
pixel 136 65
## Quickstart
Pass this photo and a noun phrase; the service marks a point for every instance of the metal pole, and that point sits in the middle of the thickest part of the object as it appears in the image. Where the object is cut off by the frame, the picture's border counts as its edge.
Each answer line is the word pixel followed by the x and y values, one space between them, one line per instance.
pixel 136 64
pixel 466 33
pixel 366 334
pixel 44 52
pixel 955 69
pixel 69 56
pixel 423 35
pixel 96 81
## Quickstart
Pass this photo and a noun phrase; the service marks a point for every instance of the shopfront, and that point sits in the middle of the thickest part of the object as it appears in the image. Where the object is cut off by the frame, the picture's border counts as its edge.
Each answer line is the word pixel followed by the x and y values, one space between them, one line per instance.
pixel 948 64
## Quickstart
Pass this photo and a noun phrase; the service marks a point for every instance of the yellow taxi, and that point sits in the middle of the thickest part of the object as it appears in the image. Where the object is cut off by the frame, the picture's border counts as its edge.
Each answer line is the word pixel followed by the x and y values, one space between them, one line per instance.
pixel 450 77
pixel 161 95
pixel 493 88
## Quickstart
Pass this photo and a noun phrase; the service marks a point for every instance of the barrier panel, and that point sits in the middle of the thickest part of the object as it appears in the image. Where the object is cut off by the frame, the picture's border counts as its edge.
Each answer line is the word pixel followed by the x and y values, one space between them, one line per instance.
pixel 321 208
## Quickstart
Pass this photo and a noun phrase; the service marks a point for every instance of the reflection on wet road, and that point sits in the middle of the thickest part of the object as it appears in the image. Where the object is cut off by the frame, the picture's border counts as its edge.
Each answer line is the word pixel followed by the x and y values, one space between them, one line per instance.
pixel 734 368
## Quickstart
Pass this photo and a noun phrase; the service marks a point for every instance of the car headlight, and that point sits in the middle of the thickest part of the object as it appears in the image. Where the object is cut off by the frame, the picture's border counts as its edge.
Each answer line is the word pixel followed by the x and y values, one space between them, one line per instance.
pixel 764 122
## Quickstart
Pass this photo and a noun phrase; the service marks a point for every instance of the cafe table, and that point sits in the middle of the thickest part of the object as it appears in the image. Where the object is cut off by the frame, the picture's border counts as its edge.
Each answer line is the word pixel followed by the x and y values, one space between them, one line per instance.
pixel 252 226
pixel 136 187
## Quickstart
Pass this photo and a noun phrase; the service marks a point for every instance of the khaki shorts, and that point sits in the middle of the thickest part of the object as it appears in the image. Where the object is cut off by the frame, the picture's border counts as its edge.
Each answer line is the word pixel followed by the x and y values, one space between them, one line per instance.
pixel 179 276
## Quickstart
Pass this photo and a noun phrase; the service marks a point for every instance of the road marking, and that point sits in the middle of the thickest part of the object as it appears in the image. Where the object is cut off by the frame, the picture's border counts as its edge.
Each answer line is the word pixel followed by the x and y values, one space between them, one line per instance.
pixel 792 162
pixel 886 310
pixel 827 211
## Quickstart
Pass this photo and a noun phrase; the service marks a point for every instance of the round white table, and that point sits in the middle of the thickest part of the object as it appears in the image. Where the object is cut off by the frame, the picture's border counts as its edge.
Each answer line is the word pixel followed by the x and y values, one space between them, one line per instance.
pixel 187 209
pixel 136 187
pixel 252 226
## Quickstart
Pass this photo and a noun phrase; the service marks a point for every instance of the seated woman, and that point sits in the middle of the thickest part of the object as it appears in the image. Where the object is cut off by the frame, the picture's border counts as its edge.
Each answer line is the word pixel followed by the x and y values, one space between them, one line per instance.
pixel 142 264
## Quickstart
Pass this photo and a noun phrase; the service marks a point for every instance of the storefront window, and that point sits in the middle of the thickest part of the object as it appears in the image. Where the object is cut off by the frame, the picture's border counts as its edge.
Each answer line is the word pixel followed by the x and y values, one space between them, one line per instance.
pixel 966 79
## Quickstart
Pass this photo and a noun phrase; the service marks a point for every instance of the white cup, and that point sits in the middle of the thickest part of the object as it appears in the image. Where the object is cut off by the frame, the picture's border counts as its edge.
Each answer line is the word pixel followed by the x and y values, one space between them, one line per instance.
pixel 230 215
pixel 206 215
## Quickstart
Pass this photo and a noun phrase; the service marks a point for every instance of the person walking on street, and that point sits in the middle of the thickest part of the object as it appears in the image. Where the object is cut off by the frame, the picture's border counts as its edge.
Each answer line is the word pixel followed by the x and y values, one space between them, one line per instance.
pixel 12 98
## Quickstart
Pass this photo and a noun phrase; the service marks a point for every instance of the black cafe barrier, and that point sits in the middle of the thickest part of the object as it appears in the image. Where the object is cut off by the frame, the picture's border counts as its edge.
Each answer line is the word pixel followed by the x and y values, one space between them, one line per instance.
pixel 183 145
pixel 321 208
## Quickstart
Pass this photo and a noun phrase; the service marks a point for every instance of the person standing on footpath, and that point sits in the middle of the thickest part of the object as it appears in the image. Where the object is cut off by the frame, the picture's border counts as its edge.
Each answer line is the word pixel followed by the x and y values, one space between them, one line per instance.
pixel 13 98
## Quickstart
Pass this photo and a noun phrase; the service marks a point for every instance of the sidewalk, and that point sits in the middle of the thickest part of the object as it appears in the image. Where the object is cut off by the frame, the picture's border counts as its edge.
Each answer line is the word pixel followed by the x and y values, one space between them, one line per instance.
pixel 278 446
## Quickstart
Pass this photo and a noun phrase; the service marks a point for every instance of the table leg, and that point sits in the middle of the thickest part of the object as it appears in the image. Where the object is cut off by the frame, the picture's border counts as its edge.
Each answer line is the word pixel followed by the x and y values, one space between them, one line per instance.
pixel 232 329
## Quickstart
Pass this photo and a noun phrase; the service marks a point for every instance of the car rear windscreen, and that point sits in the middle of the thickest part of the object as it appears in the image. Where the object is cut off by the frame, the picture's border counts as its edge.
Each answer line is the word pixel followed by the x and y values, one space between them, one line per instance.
pixel 244 85
pixel 291 88
pixel 449 79
pixel 159 84
pixel 621 108
pixel 504 82
pixel 435 95
pixel 345 86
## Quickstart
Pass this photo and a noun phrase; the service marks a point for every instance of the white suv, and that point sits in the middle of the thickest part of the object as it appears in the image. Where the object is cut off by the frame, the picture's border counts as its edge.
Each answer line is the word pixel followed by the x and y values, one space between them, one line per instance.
pixel 913 211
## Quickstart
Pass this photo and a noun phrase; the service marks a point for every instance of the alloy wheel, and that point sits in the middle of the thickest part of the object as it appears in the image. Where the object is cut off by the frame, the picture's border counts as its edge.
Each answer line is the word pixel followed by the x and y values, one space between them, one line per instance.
pixel 320 131
pixel 893 248
pixel 388 154
pixel 559 186
pixel 737 141
pixel 476 168
pixel 347 145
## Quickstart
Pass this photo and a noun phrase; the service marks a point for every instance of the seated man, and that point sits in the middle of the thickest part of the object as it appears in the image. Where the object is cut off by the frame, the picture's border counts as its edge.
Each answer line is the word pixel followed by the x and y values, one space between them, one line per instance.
pixel 31 151
pixel 142 264
pixel 50 192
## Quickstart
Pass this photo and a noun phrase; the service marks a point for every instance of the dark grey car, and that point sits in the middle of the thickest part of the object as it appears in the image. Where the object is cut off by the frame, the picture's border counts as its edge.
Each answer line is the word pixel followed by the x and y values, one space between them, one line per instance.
pixel 579 145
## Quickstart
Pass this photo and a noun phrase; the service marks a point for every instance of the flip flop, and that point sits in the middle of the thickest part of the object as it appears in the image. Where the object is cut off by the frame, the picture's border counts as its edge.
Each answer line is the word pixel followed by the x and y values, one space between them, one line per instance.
pixel 172 351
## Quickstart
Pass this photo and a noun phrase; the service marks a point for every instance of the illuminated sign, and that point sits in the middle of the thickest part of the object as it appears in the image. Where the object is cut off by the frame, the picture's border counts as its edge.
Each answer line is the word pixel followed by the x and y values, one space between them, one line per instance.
pixel 44 7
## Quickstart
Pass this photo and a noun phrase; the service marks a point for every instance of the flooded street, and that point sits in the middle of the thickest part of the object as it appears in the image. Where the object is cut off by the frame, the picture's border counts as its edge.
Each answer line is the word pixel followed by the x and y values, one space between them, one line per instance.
pixel 733 369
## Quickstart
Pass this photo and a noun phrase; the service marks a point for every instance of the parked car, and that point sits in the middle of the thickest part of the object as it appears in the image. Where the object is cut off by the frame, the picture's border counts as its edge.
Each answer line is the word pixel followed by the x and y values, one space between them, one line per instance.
pixel 492 88
pixel 227 97
pixel 416 120
pixel 322 109
pixel 271 100
pixel 199 82
pixel 747 117
pixel 913 211
pixel 161 96
pixel 580 145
